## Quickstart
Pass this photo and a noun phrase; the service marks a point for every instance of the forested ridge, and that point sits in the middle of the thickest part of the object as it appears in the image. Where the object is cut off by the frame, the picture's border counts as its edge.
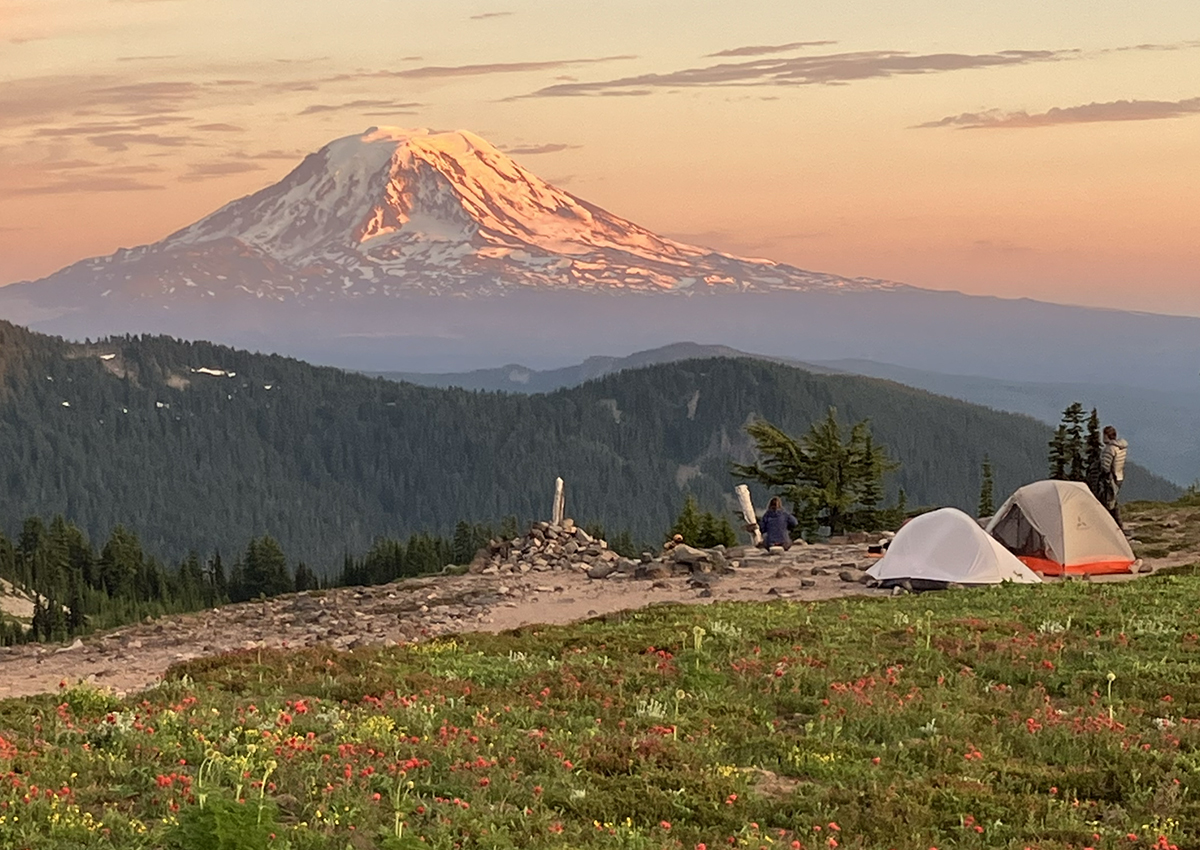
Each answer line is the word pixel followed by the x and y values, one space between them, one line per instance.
pixel 202 447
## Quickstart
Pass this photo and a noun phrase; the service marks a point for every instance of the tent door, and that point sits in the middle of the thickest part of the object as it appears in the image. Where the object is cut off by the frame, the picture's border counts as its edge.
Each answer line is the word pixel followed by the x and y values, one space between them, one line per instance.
pixel 1018 535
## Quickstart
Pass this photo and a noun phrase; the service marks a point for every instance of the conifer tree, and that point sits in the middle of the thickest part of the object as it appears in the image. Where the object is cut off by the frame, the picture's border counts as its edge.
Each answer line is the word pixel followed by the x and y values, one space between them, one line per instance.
pixel 1073 420
pixel 987 489
pixel 1093 447
pixel 305 579
pixel 218 584
pixel 121 563
pixel 464 543
pixel 688 523
pixel 1059 454
pixel 836 479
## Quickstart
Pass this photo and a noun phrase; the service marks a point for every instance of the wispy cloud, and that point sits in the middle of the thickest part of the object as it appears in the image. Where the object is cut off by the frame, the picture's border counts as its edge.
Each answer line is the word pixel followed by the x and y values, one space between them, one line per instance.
pixel 729 241
pixel 294 155
pixel 426 72
pixel 533 150
pixel 219 128
pixel 1178 45
pixel 34 100
pixel 209 170
pixel 122 141
pixel 359 106
pixel 83 185
pixel 1090 113
pixel 483 16
pixel 767 49
pixel 143 58
pixel 828 69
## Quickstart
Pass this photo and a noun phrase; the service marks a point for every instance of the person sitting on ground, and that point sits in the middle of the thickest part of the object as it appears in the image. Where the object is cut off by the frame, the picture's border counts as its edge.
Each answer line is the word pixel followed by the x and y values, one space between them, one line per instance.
pixel 776 525
pixel 1112 471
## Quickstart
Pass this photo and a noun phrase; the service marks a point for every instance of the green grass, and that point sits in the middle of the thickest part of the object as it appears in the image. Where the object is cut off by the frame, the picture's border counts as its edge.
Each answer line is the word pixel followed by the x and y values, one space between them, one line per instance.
pixel 1058 716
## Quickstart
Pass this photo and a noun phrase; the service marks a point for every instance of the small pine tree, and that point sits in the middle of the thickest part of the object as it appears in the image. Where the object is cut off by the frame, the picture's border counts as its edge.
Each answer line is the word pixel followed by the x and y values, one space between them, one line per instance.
pixel 688 524
pixel 623 545
pixel 1073 420
pixel 987 489
pixel 1092 449
pixel 305 579
pixel 464 543
pixel 1059 457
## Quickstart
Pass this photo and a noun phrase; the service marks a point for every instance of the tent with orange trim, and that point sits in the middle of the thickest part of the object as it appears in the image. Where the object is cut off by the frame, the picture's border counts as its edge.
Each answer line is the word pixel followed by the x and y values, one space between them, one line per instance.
pixel 1059 527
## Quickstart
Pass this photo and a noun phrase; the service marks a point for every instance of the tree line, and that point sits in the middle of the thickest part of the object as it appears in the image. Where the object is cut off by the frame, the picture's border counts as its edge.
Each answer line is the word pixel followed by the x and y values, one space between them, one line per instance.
pixel 76 588
pixel 1076 448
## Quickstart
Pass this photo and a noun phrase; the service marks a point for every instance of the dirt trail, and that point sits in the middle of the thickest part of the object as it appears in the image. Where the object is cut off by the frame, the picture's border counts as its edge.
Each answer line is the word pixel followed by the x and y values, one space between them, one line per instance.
pixel 133 658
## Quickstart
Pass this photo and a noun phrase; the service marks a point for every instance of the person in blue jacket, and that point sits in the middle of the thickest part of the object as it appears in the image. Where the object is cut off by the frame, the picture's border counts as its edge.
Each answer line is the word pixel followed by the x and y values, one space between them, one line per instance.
pixel 776 525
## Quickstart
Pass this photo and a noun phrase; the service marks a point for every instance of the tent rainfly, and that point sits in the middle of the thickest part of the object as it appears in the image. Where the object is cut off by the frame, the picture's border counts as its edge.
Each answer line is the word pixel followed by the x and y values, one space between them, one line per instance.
pixel 947 546
pixel 1059 527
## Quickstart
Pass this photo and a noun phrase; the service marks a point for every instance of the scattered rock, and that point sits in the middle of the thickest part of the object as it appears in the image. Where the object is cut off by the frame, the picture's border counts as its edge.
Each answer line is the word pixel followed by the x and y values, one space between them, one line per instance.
pixel 808 582
pixel 653 571
pixel 601 570
pixel 848 576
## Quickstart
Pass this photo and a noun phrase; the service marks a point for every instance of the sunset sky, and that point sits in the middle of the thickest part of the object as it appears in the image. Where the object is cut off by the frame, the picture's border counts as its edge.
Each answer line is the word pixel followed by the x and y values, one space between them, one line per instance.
pixel 1015 148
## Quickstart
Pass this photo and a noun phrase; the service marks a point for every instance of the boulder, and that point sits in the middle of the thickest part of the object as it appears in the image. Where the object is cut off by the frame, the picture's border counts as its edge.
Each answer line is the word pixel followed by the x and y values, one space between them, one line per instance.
pixel 684 554
pixel 601 570
pixel 653 571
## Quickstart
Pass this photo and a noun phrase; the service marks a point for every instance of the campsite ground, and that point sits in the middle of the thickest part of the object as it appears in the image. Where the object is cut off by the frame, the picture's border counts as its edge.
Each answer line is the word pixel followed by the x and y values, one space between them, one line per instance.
pixel 1050 717
pixel 132 658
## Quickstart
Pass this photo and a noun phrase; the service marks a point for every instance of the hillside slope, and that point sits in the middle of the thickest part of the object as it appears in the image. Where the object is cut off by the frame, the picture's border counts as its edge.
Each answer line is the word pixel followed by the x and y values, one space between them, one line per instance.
pixel 1159 424
pixel 198 445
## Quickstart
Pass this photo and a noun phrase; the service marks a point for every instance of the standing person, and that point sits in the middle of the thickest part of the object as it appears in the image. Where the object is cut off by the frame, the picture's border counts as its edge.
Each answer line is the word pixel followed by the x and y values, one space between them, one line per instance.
pixel 776 525
pixel 1112 471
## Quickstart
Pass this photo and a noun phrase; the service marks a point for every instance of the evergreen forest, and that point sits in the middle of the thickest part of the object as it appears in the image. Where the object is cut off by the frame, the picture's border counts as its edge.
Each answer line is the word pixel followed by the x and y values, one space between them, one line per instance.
pixel 200 447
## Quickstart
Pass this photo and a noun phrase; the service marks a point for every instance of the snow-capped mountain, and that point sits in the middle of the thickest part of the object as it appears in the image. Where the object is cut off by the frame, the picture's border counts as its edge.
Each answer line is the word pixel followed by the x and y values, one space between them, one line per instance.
pixel 393 212
pixel 432 252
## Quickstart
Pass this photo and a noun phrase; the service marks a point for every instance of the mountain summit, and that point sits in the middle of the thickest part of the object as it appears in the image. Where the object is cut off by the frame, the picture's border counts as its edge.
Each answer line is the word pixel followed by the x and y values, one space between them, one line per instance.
pixel 393 212
pixel 427 251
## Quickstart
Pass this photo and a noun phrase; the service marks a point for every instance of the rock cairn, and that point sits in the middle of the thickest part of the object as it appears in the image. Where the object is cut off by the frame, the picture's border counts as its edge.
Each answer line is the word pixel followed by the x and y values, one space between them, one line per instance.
pixel 548 547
